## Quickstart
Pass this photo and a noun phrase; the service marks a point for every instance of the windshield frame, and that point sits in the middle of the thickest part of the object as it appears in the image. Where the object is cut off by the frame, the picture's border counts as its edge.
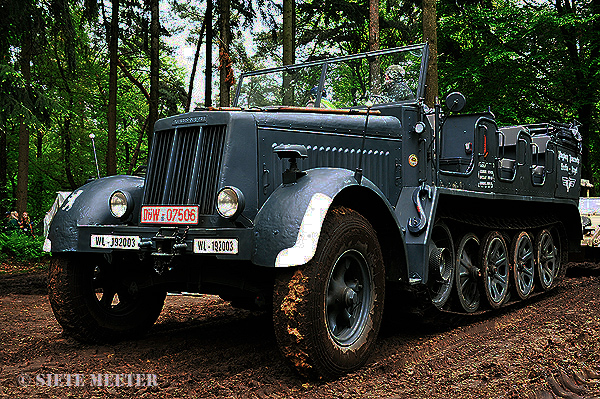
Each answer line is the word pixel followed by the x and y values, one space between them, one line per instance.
pixel 324 64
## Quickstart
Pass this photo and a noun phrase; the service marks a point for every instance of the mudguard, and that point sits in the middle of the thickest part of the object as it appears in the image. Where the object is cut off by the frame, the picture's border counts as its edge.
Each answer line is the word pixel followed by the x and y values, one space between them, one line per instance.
pixel 88 205
pixel 288 225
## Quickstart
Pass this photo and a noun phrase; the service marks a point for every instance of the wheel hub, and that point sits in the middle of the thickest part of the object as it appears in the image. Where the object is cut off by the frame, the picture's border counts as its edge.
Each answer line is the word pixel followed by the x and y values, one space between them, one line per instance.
pixel 350 297
pixel 346 297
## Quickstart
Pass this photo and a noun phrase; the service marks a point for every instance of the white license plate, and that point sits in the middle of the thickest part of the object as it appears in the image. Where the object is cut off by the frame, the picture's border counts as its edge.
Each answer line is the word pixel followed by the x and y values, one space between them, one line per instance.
pixel 170 214
pixel 114 242
pixel 216 245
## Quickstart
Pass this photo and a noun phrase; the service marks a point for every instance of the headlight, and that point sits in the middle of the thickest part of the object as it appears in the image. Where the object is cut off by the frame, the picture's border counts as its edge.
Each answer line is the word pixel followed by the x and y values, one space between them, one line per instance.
pixel 120 204
pixel 230 202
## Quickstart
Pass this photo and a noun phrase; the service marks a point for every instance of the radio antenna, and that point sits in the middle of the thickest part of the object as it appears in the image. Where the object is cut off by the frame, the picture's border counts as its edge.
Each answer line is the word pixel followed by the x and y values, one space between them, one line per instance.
pixel 92 136
pixel 358 174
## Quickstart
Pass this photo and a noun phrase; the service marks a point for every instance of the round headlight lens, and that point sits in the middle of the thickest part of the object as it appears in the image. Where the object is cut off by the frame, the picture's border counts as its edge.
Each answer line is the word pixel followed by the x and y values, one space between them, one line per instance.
pixel 120 204
pixel 230 202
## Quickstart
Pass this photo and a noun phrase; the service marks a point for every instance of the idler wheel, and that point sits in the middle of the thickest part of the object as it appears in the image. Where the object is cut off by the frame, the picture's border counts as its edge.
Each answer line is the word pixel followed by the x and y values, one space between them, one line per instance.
pixel 441 264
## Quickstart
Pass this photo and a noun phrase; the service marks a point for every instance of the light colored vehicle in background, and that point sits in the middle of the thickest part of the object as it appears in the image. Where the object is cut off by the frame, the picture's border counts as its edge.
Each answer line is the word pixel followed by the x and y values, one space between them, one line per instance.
pixel 589 208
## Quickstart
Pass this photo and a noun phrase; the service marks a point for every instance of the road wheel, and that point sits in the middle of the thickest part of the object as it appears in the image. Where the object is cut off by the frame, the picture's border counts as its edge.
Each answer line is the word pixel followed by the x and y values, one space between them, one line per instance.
pixel 495 268
pixel 547 256
pixel 523 262
pixel 467 273
pixel 96 299
pixel 327 313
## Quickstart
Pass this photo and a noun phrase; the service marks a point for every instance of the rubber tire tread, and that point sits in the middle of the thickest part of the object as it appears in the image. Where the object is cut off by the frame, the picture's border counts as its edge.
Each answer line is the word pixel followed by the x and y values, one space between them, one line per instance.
pixel 76 310
pixel 299 300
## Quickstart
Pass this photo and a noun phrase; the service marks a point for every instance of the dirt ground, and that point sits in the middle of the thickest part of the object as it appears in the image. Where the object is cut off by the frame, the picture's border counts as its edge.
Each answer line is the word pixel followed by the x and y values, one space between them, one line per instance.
pixel 201 347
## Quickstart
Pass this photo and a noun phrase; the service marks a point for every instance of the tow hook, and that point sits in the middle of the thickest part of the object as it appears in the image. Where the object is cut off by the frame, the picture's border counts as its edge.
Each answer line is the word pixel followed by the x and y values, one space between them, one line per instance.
pixel 168 246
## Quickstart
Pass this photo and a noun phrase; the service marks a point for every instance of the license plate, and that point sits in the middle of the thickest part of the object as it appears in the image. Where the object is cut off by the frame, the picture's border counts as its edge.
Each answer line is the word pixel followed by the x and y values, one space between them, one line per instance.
pixel 216 246
pixel 170 214
pixel 114 242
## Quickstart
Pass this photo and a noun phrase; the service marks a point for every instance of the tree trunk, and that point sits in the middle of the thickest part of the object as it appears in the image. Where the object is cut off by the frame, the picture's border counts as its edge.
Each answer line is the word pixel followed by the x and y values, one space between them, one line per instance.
pixel 154 68
pixel 209 40
pixel 288 48
pixel 113 48
pixel 23 159
pixel 374 68
pixel 3 172
pixel 195 65
pixel 430 36
pixel 225 70
pixel 68 149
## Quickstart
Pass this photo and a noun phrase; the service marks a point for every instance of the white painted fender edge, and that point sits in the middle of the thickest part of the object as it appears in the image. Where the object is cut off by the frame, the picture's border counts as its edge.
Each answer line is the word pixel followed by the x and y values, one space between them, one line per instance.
pixel 308 235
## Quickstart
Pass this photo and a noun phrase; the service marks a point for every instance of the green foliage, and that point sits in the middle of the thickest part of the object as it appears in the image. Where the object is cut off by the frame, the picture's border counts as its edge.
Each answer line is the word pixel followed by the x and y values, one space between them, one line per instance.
pixel 67 97
pixel 526 61
pixel 21 247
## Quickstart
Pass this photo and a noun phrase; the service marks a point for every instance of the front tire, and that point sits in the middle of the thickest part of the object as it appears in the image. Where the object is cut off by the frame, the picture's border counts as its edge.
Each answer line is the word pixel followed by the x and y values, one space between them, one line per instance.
pixel 95 298
pixel 327 313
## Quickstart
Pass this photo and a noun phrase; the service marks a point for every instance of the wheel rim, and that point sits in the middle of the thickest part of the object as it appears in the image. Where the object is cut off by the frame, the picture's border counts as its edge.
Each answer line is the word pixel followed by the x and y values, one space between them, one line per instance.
pixel 496 268
pixel 348 297
pixel 112 298
pixel 524 266
pixel 441 265
pixel 467 273
pixel 547 259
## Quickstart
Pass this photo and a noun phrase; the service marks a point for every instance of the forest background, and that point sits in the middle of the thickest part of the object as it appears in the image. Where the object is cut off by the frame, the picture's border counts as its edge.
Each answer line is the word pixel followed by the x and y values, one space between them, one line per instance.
pixel 70 69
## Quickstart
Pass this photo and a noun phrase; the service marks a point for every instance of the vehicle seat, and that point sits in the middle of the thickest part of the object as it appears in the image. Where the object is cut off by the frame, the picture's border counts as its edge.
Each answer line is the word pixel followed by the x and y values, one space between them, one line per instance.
pixel 513 151
pixel 538 168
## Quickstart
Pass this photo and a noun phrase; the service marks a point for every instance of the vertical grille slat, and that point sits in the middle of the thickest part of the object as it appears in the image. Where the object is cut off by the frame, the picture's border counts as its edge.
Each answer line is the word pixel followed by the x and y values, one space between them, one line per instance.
pixel 212 150
pixel 159 165
pixel 184 167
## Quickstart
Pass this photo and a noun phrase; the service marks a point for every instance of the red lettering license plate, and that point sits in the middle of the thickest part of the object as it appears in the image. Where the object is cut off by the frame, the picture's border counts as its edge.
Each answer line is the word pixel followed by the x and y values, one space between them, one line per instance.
pixel 170 214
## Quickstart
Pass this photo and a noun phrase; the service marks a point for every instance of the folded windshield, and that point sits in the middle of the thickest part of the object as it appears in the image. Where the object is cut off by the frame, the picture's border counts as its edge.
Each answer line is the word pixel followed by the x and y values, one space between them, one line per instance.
pixel 383 77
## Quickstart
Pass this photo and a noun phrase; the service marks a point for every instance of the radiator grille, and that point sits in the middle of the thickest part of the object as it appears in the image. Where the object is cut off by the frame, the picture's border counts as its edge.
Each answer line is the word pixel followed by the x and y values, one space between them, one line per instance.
pixel 184 167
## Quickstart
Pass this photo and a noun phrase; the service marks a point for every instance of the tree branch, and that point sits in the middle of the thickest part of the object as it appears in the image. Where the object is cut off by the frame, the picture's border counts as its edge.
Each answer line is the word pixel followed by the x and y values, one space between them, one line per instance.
pixel 132 79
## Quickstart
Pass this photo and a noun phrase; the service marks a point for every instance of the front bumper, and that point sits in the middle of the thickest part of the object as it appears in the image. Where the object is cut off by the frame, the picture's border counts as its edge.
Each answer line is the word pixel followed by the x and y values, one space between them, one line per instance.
pixel 155 240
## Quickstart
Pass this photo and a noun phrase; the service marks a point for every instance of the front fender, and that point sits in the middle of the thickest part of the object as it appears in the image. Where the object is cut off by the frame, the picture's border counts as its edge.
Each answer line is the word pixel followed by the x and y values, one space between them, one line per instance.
pixel 88 205
pixel 288 225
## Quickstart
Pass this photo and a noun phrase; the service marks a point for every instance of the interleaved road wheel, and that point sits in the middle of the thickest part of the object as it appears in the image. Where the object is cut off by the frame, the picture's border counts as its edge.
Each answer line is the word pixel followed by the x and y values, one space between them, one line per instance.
pixel 96 299
pixel 547 258
pixel 495 268
pixel 467 273
pixel 327 313
pixel 523 262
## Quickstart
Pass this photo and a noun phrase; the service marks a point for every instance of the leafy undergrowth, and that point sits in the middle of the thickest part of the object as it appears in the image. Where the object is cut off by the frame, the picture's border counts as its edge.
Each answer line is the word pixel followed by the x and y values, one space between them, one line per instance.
pixel 22 254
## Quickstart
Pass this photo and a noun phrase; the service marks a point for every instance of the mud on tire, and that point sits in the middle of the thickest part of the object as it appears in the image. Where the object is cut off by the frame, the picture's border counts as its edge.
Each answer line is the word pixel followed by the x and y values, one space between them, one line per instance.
pixel 327 313
pixel 95 298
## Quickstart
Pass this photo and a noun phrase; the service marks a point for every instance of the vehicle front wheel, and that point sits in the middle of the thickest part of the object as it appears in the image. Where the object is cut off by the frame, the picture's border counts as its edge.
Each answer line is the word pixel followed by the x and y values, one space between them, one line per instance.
pixel 96 298
pixel 327 313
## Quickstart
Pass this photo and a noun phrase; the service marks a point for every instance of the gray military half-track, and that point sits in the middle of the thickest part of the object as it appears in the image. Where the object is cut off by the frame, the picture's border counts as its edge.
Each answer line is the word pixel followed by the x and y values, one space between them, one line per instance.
pixel 311 211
